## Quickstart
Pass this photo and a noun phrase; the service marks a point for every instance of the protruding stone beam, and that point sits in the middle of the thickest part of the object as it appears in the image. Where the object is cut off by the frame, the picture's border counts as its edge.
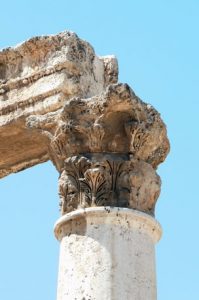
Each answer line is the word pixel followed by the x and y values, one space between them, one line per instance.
pixel 38 77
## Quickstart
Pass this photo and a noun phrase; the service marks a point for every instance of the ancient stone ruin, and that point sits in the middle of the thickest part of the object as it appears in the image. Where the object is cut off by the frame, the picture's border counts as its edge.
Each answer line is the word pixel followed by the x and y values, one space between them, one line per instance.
pixel 59 101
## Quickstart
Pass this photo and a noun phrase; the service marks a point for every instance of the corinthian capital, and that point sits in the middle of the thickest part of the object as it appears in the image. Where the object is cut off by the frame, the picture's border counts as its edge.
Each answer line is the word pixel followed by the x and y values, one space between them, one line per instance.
pixel 106 149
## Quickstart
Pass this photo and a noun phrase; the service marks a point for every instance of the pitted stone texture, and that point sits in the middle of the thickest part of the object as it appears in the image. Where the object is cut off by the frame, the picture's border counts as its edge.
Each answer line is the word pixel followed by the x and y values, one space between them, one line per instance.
pixel 108 180
pixel 107 254
pixel 115 121
pixel 106 149
pixel 37 77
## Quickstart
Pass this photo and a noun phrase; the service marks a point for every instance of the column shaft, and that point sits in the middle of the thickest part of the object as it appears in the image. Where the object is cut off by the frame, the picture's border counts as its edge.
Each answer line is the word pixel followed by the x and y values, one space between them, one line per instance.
pixel 107 253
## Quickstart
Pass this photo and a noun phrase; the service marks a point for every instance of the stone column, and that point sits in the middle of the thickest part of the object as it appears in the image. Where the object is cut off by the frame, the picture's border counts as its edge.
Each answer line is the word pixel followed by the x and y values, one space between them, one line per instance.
pixel 107 253
pixel 106 149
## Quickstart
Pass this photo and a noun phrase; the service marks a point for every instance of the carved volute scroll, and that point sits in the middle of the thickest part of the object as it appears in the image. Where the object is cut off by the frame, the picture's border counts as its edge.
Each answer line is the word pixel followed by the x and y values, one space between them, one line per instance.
pixel 106 149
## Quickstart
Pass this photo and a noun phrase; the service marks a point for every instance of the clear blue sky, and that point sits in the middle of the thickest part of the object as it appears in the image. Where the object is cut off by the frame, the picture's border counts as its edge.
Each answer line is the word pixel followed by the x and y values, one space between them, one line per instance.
pixel 157 45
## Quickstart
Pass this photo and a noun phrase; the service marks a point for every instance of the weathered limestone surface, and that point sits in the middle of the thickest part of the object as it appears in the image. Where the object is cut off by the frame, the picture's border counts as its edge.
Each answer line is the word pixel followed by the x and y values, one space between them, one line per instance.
pixel 106 149
pixel 107 254
pixel 59 101
pixel 37 77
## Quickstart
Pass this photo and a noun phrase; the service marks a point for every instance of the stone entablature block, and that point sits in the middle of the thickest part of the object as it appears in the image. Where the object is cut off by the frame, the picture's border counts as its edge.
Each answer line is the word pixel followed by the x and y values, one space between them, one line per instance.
pixel 37 77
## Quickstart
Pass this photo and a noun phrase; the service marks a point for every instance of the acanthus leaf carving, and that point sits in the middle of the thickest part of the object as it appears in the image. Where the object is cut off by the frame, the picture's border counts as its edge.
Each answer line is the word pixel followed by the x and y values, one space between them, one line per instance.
pixel 115 121
pixel 109 182
pixel 95 186
pixel 106 149
pixel 138 134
